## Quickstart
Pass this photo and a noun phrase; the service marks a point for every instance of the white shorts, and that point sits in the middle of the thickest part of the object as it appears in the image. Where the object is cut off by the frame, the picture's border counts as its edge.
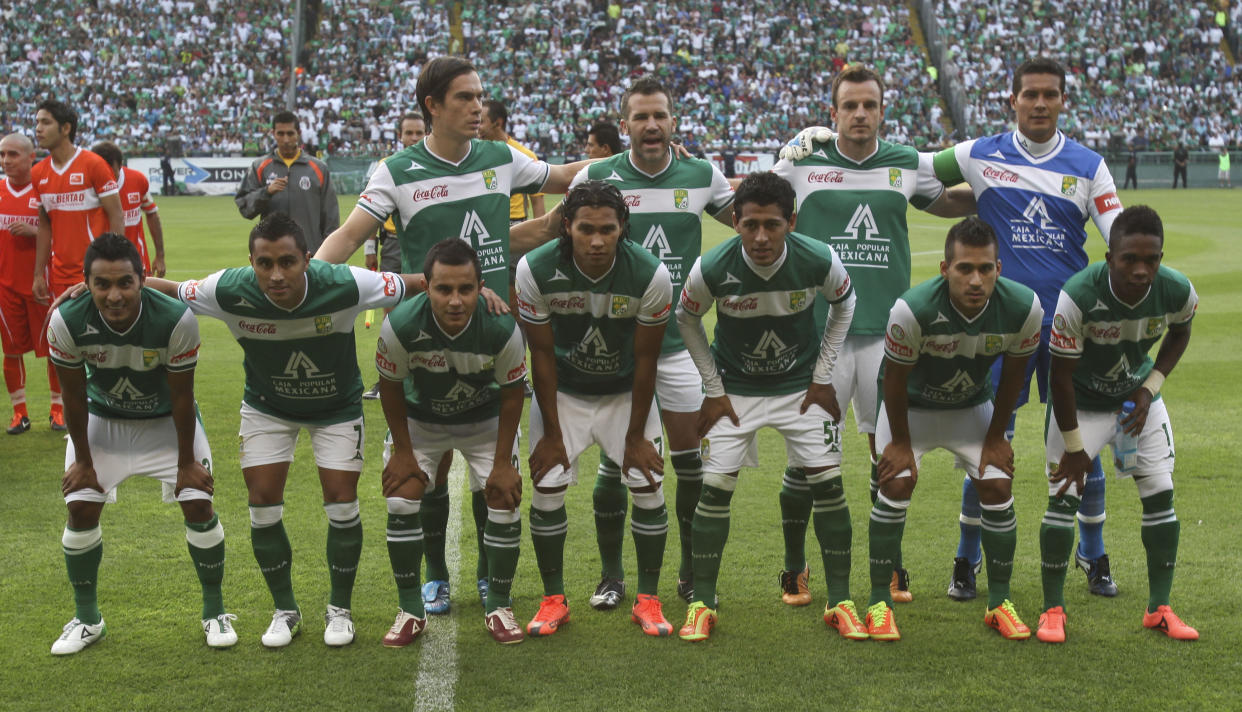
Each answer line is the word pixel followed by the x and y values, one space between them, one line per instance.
pixel 1099 428
pixel 959 430
pixel 601 420
pixel 812 439
pixel 854 378
pixel 475 441
pixel 679 387
pixel 265 439
pixel 123 448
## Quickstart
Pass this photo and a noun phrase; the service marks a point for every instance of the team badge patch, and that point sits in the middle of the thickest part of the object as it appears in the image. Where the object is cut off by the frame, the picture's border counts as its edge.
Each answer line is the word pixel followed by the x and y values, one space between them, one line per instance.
pixel 304 182
pixel 992 343
pixel 489 179
pixel 323 324
pixel 620 305
pixel 897 332
pixel 149 357
pixel 1058 321
pixel 1154 326
pixel 797 301
pixel 1069 184
pixel 894 177
pixel 381 346
pixel 681 199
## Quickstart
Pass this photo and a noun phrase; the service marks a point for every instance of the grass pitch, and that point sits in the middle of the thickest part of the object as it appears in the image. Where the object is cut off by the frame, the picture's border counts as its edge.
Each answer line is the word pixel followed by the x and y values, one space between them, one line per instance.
pixel 763 654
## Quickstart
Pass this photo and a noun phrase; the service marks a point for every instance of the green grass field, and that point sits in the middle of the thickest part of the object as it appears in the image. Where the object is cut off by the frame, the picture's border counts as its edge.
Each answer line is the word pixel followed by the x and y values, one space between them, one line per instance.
pixel 763 654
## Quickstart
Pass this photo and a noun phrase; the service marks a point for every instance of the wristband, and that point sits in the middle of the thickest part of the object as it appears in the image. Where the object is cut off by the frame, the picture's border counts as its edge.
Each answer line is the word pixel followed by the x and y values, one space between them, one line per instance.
pixel 1155 379
pixel 369 247
pixel 1073 440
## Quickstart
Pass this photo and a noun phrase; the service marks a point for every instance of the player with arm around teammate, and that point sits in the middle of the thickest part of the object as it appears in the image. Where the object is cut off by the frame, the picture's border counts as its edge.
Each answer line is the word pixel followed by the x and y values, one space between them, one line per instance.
pixel 942 338
pixel 1108 318
pixel 763 371
pixel 452 377
pixel 126 358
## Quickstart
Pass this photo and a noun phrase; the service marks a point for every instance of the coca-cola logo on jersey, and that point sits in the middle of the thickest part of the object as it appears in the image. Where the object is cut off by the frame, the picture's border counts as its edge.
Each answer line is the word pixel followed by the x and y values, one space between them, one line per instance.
pixel 567 303
pixel 633 201
pixel 1107 332
pixel 255 327
pixel 1000 174
pixel 433 193
pixel 745 304
pixel 826 177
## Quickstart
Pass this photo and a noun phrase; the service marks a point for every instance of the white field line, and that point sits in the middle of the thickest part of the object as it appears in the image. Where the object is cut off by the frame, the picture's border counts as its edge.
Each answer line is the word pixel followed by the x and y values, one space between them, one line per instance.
pixel 436 684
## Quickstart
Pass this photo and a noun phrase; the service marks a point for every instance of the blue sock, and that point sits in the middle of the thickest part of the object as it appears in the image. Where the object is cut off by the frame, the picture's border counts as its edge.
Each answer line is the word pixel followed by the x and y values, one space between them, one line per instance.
pixel 1091 514
pixel 968 546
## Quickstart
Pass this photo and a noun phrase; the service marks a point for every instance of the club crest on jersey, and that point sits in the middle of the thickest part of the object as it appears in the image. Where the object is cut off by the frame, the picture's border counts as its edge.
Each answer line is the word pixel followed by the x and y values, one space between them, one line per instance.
pixel 1058 322
pixel 323 324
pixel 77 179
pixel 304 182
pixel 620 305
pixel 797 301
pixel 992 344
pixel 681 199
pixel 1155 325
pixel 149 357
pixel 133 197
pixel 489 179
pixel 1069 184
pixel 34 204
pixel 894 177
pixel 897 332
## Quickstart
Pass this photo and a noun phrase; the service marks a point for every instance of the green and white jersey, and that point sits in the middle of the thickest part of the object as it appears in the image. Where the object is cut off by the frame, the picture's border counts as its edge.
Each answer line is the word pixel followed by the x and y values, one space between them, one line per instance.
pixel 126 373
pixel 860 209
pixel 666 212
pixel 594 320
pixel 450 379
pixel 430 199
pixel 1111 338
pixel 952 355
pixel 766 340
pixel 301 364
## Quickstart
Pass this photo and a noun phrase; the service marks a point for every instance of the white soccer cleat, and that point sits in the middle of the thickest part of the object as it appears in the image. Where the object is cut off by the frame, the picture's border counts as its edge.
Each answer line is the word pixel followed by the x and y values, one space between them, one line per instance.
pixel 78 635
pixel 285 625
pixel 219 631
pixel 339 627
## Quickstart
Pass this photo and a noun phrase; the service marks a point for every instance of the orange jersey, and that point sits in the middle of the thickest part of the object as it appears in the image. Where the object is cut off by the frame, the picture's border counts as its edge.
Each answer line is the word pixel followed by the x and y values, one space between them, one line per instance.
pixel 70 194
pixel 17 254
pixel 136 199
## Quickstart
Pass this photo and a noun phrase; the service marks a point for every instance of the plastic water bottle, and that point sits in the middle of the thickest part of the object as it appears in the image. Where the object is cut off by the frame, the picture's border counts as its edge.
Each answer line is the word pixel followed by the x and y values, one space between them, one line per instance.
pixel 1125 446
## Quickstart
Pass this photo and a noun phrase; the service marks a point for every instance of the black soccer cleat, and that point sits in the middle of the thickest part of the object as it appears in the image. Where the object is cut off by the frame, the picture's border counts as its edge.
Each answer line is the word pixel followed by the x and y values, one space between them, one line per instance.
pixel 962 585
pixel 1099 575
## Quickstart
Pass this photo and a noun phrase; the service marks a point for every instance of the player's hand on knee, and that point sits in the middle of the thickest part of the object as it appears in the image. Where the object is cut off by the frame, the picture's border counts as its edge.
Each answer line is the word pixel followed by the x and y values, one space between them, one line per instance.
pixel 495 305
pixel 402 476
pixel 714 409
pixel 802 145
pixel 641 455
pixel 1071 470
pixel 998 453
pixel 1134 423
pixel 895 460
pixel 79 476
pixel 824 396
pixel 547 454
pixel 195 476
pixel 503 489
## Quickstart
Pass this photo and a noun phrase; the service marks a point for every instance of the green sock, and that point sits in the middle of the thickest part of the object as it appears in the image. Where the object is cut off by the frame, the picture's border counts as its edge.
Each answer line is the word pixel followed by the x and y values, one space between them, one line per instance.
pixel 1056 542
pixel 206 543
pixel 1000 539
pixel 609 501
pixel 478 507
pixel 1160 534
pixel 711 531
pixel 888 523
pixel 405 550
pixel 83 551
pixel 344 549
pixel 688 466
pixel 835 534
pixel 795 514
pixel 650 529
pixel 275 559
pixel 547 533
pixel 502 535
pixel 435 514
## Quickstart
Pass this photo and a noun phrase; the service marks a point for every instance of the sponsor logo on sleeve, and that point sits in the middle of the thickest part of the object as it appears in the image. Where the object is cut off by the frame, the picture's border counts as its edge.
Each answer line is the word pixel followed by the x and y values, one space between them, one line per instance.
pixel 383 364
pixel 516 372
pixel 390 284
pixel 179 358
pixel 1063 342
pixel 110 186
pixel 1030 342
pixel 689 303
pixel 1108 202
pixel 897 348
pixel 845 287
pixel 525 307
pixel 668 307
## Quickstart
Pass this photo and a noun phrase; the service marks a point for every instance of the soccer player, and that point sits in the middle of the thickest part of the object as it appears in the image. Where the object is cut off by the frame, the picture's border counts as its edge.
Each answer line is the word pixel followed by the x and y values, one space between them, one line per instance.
pixel 289 181
pixel 942 338
pixel 450 183
pixel 595 306
pixel 493 126
pixel 126 358
pixel 603 140
pixel 1036 187
pixel 136 201
pixel 1108 317
pixel 463 371
pixel 764 370
pixel 294 319
pixel 667 198
pixel 852 194
pixel 21 316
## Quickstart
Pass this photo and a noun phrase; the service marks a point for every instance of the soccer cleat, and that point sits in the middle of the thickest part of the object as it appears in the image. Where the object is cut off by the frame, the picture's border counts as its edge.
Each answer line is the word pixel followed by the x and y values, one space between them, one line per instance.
pixel 482 585
pixel 648 614
pixel 1099 574
pixel 608 594
pixel 962 585
pixel 77 635
pixel 1052 625
pixel 404 630
pixel 338 627
pixel 285 625
pixel 57 418
pixel 436 597
pixel 219 631
pixel 881 625
pixel 685 589
pixel 844 617
pixel 1162 619
pixel 1006 622
pixel 503 626
pixel 19 425
pixel 372 394
pixel 899 587
pixel 553 613
pixel 699 622
pixel 794 590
